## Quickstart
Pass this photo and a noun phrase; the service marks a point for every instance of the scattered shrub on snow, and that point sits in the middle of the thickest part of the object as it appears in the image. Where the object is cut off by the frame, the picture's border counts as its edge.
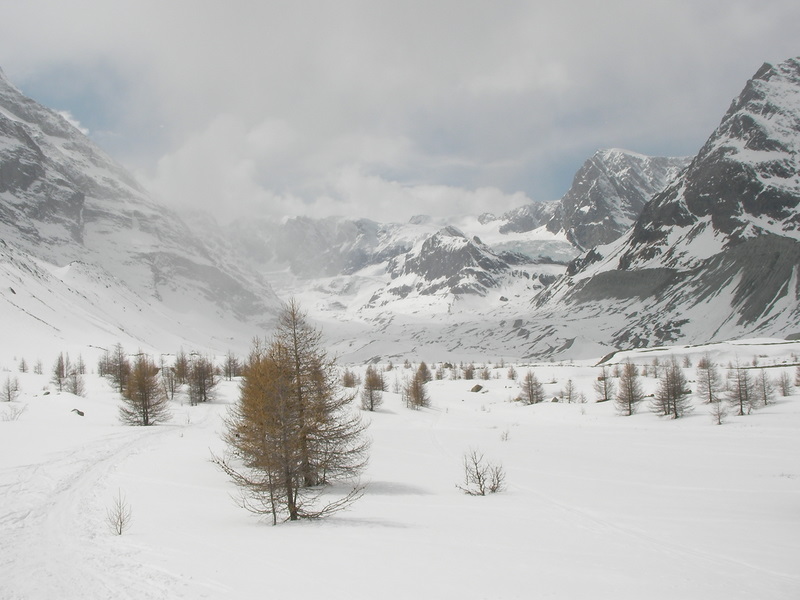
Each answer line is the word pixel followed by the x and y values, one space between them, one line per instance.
pixel 481 476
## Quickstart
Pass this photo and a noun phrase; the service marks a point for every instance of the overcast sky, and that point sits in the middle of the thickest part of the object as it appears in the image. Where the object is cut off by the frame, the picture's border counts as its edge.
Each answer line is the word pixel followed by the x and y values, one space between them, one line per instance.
pixel 386 109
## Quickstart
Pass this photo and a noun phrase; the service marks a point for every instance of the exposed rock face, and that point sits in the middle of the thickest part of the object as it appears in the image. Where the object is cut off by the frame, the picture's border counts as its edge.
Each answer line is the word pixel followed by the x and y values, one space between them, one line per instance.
pixel 608 195
pixel 449 261
pixel 716 254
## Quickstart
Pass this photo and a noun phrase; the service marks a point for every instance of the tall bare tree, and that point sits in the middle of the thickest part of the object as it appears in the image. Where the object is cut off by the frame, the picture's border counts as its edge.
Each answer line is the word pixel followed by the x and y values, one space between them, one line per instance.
pixel 709 380
pixel 532 389
pixel 231 366
pixel 569 394
pixel 764 387
pixel 672 397
pixel 629 392
pixel 374 386
pixel 741 394
pixel 60 371
pixel 293 429
pixel 181 367
pixel 202 379
pixel 118 367
pixel 415 392
pixel 604 385
pixel 317 394
pixel 785 384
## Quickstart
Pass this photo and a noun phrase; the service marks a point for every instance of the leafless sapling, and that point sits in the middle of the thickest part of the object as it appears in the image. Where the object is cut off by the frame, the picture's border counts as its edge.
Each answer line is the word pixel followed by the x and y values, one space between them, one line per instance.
pixel 119 515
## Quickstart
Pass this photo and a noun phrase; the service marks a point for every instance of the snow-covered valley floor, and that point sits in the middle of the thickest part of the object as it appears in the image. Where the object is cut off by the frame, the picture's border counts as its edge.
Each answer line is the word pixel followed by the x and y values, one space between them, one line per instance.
pixel 597 505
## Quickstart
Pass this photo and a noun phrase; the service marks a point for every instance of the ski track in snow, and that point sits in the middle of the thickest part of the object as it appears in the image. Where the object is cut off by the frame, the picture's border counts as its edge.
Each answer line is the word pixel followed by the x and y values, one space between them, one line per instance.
pixel 53 544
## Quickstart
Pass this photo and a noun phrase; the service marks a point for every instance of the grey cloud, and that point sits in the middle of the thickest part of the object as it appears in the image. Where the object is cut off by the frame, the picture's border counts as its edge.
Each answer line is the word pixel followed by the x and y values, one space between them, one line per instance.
pixel 321 106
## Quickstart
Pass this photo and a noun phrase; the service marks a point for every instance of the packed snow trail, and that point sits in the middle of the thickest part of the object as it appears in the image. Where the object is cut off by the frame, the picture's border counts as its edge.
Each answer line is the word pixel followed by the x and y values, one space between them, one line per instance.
pixel 55 541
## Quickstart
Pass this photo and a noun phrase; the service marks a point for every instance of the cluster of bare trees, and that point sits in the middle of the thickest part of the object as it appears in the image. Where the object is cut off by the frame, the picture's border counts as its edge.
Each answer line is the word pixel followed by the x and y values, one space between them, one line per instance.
pixel 672 398
pixel 10 389
pixel 745 388
pixel 144 399
pixel 532 389
pixel 415 394
pixel 146 386
pixel 68 376
pixel 293 429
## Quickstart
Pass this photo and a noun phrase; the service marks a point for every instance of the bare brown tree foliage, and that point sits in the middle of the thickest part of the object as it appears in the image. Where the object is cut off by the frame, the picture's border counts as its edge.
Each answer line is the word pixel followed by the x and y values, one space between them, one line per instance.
pixel 785 384
pixel 60 368
pixel 119 367
pixel 119 515
pixel 741 393
pixel 672 396
pixel 532 389
pixel 656 368
pixel 144 400
pixel 709 380
pixel 424 373
pixel 415 392
pixel 797 375
pixel 372 392
pixel 181 367
pixel 293 429
pixel 512 373
pixel 349 379
pixel 629 392
pixel 481 476
pixel 765 387
pixel 202 379
pixel 604 385
pixel 469 371
pixel 231 367
pixel 569 394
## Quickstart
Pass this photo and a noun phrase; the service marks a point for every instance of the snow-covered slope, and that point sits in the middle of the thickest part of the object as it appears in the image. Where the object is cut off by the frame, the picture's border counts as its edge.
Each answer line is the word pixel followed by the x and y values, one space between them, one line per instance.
pixel 596 506
pixel 64 202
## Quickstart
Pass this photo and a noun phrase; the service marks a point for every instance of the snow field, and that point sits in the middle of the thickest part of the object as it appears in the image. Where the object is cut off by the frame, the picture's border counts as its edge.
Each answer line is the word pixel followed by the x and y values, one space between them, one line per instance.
pixel 596 505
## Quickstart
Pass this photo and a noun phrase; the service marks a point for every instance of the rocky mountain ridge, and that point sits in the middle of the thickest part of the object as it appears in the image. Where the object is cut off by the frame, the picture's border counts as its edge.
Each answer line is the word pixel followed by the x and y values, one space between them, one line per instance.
pixel 717 252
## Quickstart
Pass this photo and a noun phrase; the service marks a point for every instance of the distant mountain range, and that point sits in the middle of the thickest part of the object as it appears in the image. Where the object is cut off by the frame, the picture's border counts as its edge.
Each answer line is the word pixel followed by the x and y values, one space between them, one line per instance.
pixel 640 251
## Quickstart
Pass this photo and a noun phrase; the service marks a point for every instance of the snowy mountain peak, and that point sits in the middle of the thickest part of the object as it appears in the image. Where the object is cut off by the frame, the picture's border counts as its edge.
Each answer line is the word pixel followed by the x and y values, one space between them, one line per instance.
pixel 716 254
pixel 609 192
pixel 744 182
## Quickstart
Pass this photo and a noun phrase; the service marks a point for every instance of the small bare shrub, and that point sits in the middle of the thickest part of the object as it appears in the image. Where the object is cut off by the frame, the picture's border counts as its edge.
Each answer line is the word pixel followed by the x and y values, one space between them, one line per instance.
pixel 119 515
pixel 13 412
pixel 480 476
